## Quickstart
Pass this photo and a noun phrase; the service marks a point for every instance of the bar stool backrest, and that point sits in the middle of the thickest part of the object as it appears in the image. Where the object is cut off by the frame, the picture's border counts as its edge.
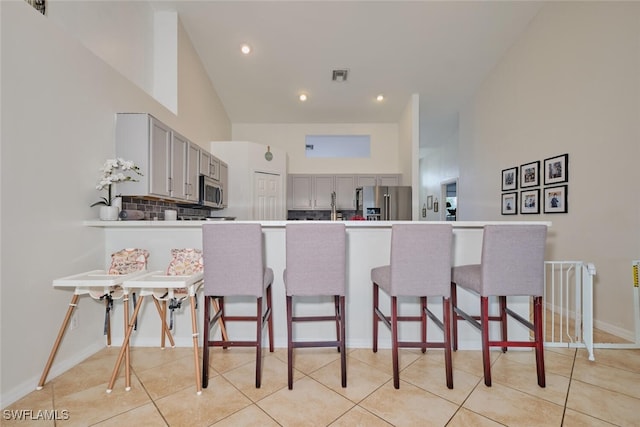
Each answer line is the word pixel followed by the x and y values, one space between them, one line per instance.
pixel 421 255
pixel 316 260
pixel 233 259
pixel 513 260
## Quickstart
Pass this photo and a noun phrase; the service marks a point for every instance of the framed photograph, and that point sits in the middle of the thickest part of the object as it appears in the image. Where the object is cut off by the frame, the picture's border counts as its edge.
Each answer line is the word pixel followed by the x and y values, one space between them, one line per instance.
pixel 556 169
pixel 555 199
pixel 509 203
pixel 429 202
pixel 530 201
pixel 530 174
pixel 510 179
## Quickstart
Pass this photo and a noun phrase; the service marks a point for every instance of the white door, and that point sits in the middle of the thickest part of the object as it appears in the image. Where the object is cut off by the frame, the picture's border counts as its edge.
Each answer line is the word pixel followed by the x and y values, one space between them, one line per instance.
pixel 266 193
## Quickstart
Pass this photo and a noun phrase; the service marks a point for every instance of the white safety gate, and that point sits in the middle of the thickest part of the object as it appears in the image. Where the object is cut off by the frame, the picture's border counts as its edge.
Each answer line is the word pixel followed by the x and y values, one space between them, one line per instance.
pixel 568 299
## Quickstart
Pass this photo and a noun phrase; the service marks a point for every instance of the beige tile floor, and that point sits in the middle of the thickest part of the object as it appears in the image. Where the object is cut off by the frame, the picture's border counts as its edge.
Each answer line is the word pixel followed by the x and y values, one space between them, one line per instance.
pixel 578 393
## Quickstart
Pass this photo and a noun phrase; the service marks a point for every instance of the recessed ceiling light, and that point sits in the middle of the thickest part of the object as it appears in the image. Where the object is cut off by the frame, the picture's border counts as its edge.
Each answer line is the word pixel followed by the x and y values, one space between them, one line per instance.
pixel 380 98
pixel 303 97
pixel 245 48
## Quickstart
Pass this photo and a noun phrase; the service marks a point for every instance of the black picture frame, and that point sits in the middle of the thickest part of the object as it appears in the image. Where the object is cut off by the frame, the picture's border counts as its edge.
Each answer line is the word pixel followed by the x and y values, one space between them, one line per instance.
pixel 530 201
pixel 556 169
pixel 510 179
pixel 530 174
pixel 509 203
pixel 555 199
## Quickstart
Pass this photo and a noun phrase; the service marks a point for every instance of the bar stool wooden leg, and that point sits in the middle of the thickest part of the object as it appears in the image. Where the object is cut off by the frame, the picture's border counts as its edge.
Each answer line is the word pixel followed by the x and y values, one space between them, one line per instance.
pixel 223 329
pixel 125 344
pixel 72 305
pixel 194 330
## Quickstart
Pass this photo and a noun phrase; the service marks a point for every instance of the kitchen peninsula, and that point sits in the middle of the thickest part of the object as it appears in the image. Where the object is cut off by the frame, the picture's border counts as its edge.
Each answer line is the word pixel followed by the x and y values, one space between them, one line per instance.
pixel 368 246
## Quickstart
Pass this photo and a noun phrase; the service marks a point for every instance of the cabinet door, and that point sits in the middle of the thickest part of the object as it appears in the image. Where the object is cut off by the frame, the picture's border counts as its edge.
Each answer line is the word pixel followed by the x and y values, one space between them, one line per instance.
pixel 388 180
pixel 214 168
pixel 345 192
pixel 191 171
pixel 301 190
pixel 366 180
pixel 323 187
pixel 205 159
pixel 178 161
pixel 224 181
pixel 160 159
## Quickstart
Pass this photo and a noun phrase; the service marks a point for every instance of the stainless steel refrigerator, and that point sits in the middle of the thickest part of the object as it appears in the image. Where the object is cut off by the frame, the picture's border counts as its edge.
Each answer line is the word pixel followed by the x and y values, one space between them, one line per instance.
pixel 382 203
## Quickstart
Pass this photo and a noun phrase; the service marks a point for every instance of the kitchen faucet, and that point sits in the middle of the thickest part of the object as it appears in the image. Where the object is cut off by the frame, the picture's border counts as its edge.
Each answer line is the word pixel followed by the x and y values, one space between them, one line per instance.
pixel 334 215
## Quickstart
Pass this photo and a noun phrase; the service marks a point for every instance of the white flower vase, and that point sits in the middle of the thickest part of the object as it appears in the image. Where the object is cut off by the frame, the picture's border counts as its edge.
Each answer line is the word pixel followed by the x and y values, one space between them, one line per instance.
pixel 109 213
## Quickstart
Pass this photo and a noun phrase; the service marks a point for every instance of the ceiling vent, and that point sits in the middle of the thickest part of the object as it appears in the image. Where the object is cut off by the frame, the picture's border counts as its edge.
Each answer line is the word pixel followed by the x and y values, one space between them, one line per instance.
pixel 340 75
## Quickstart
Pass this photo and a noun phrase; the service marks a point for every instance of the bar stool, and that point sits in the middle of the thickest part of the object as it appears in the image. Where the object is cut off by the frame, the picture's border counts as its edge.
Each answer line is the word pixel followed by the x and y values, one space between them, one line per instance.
pixel 512 264
pixel 420 267
pixel 316 266
pixel 234 266
pixel 101 285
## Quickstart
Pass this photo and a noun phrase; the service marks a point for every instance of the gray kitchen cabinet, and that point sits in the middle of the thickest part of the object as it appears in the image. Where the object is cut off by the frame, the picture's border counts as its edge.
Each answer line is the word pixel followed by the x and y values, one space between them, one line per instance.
pixel 313 192
pixel 382 180
pixel 300 192
pixel 191 172
pixel 167 160
pixel 205 160
pixel 308 192
pixel 345 188
pixel 322 189
pixel 209 165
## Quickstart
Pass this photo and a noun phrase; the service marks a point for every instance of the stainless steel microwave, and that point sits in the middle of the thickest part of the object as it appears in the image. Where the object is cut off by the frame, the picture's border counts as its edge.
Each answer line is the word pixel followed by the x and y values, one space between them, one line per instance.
pixel 210 193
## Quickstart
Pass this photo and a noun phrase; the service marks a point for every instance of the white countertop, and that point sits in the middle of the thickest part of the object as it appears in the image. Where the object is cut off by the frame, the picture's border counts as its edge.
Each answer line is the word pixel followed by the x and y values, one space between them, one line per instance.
pixel 280 224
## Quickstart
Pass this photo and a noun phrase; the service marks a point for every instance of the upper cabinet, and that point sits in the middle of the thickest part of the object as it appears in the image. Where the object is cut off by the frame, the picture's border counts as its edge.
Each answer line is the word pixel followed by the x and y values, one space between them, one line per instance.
pixel 313 192
pixel 167 160
pixel 381 180
pixel 209 165
pixel 308 192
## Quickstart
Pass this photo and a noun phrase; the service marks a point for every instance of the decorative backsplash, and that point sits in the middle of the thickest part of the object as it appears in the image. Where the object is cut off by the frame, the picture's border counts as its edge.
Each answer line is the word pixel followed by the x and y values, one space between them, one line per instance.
pixel 154 209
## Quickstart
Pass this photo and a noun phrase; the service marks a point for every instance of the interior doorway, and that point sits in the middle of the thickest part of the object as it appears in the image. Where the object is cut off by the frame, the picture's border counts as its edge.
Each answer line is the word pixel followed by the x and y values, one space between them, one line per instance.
pixel 449 196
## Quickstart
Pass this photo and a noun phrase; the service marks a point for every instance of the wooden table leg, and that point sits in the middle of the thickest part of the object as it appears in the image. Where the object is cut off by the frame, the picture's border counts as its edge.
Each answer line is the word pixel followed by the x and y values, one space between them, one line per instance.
pixel 125 344
pixel 72 305
pixel 162 312
pixel 194 329
pixel 127 353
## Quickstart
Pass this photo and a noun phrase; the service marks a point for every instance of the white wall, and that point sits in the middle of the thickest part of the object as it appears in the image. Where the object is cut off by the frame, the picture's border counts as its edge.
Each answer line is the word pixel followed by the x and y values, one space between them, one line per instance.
pixel 408 146
pixel 571 84
pixel 291 138
pixel 244 159
pixel 59 102
pixel 121 33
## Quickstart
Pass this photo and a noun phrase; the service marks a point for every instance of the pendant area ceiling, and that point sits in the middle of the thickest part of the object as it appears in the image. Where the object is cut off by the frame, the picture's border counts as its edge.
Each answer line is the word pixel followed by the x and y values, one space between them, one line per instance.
pixel 441 50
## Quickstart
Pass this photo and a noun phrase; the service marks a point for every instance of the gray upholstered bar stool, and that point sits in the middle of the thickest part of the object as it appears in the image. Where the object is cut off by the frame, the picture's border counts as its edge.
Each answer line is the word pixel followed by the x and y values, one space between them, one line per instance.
pixel 420 267
pixel 316 266
pixel 512 264
pixel 234 266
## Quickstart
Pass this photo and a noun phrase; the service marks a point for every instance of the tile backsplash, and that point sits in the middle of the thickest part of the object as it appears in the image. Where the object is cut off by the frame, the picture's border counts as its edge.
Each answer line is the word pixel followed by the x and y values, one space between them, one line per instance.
pixel 154 209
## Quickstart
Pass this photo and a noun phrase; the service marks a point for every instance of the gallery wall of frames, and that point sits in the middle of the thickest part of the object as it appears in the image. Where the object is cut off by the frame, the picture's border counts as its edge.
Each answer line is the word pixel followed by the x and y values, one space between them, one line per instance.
pixel 533 187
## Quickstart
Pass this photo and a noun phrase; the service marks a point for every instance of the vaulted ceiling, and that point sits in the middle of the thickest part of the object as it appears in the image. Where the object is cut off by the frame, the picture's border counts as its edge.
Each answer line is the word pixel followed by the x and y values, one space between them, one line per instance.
pixel 441 50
